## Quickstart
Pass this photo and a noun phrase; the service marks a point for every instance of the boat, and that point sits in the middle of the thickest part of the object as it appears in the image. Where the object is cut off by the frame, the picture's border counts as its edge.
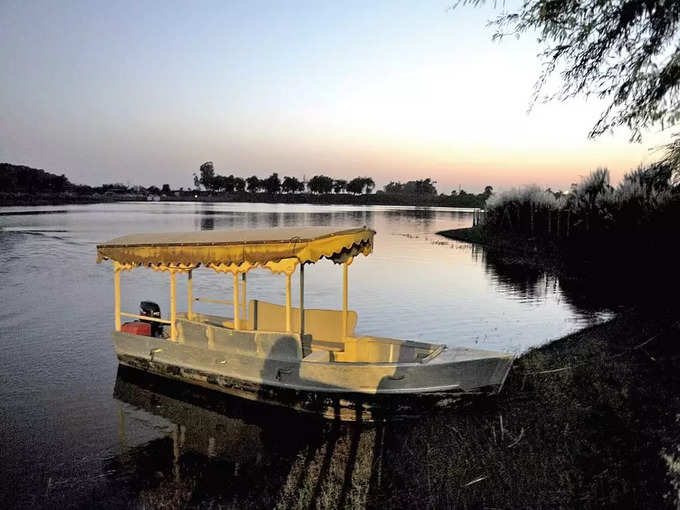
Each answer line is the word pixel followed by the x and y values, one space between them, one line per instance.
pixel 308 359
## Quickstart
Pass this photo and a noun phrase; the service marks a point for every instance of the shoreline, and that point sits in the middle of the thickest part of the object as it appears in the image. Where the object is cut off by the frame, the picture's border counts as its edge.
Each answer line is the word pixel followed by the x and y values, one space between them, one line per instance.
pixel 516 249
pixel 586 420
pixel 23 200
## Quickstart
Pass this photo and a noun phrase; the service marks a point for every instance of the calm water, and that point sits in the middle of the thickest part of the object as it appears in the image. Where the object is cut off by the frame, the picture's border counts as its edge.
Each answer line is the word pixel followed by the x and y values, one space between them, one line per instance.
pixel 75 429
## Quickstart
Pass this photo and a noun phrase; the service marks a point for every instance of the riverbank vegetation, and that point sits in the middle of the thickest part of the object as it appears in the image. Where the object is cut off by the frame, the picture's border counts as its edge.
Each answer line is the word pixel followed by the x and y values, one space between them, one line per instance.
pixel 620 238
pixel 647 200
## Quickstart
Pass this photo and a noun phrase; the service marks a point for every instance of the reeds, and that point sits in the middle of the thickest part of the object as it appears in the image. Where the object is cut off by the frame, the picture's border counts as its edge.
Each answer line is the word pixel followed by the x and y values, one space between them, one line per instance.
pixel 647 196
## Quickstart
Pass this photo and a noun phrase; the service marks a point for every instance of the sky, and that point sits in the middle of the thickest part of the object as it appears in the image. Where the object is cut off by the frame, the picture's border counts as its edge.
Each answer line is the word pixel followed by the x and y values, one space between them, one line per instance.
pixel 144 92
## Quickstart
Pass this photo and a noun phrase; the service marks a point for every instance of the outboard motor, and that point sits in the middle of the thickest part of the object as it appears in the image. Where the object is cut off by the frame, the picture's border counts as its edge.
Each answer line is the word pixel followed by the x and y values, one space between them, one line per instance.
pixel 151 309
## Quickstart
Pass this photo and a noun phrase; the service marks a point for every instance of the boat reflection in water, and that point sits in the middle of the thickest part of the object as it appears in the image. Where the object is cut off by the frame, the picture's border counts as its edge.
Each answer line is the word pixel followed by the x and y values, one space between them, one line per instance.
pixel 226 450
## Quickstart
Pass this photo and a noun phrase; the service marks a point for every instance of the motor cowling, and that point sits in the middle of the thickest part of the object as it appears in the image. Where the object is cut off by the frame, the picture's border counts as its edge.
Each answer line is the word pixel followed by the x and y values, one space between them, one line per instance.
pixel 151 309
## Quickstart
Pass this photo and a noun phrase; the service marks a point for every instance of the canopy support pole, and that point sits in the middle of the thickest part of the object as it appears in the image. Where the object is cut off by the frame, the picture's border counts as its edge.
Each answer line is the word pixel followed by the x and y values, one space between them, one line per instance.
pixel 302 300
pixel 190 295
pixel 236 304
pixel 244 310
pixel 116 290
pixel 173 306
pixel 288 317
pixel 344 300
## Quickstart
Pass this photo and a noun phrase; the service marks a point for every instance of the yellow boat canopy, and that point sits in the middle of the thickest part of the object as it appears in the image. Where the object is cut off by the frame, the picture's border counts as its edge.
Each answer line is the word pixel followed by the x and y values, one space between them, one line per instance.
pixel 237 251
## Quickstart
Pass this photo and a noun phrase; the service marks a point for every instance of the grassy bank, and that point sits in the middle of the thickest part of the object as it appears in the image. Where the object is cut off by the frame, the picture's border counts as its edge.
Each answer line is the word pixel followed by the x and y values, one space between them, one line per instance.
pixel 588 421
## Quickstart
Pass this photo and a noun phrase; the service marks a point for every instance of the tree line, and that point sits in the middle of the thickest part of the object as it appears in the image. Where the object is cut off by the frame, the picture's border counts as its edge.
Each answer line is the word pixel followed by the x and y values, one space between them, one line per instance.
pixel 207 179
pixel 21 181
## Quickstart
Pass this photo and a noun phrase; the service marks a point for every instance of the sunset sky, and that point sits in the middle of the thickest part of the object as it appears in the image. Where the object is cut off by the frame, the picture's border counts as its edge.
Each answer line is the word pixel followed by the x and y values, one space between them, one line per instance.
pixel 144 92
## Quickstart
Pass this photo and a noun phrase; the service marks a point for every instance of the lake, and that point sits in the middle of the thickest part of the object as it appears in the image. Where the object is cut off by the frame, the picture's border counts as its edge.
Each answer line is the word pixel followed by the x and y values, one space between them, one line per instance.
pixel 76 429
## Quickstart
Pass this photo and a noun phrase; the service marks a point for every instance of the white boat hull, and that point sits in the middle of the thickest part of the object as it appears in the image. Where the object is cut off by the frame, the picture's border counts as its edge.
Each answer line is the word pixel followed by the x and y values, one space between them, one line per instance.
pixel 265 366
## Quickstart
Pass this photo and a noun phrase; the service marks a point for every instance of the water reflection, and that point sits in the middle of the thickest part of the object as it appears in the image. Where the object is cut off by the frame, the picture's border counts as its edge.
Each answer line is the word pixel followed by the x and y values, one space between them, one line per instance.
pixel 224 450
pixel 598 295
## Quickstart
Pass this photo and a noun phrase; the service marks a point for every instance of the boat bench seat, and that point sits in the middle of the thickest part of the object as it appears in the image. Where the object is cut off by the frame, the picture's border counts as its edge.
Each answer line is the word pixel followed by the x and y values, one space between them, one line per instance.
pixel 327 346
pixel 323 325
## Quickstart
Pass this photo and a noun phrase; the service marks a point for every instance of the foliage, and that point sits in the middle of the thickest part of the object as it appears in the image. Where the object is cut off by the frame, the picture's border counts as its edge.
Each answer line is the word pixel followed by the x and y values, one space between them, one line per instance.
pixel 645 199
pixel 421 187
pixel 253 184
pixel 418 187
pixel 292 185
pixel 207 172
pixel 320 184
pixel 223 184
pixel 671 159
pixel 339 185
pixel 360 185
pixel 23 179
pixel 272 184
pixel 623 51
pixel 239 184
pixel 393 187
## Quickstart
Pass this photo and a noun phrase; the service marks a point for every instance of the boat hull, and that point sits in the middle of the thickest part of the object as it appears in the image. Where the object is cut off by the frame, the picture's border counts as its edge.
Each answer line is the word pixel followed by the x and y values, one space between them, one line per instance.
pixel 345 391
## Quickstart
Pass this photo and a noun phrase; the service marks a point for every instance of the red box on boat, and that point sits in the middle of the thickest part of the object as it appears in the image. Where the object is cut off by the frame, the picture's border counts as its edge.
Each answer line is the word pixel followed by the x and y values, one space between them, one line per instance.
pixel 137 328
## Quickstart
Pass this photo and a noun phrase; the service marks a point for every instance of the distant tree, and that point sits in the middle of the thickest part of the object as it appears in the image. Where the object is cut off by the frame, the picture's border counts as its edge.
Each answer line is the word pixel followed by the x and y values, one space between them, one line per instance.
pixel 207 171
pixel 394 187
pixel 488 191
pixel 23 179
pixel 320 184
pixel 239 185
pixel 197 181
pixel 292 185
pixel 223 184
pixel 421 187
pixel 361 185
pixel 218 183
pixel 117 187
pixel 356 185
pixel 57 183
pixel 253 184
pixel 153 190
pixel 166 189
pixel 229 183
pixel 272 184
pixel 339 185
